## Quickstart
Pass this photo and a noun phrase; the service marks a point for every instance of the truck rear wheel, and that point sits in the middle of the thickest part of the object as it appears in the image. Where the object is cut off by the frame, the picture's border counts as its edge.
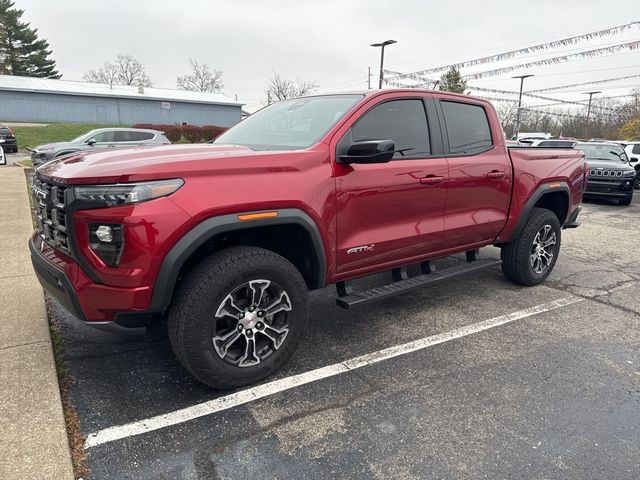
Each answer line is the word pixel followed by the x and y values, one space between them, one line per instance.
pixel 238 316
pixel 530 258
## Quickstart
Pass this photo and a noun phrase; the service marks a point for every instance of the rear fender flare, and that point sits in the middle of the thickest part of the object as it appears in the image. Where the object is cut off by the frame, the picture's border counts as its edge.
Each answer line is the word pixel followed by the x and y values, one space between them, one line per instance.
pixel 528 207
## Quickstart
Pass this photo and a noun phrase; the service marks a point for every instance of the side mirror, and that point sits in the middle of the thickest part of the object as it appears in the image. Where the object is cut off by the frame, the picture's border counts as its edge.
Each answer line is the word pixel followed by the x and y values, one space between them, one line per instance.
pixel 369 151
pixel 91 142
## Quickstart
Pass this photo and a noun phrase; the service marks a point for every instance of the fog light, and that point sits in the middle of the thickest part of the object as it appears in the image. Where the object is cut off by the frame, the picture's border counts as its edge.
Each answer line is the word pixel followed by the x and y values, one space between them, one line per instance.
pixel 104 233
pixel 107 241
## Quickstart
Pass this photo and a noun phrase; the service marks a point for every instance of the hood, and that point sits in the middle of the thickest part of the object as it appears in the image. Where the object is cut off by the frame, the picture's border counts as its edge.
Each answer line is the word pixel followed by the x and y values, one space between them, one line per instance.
pixel 608 165
pixel 166 161
pixel 53 146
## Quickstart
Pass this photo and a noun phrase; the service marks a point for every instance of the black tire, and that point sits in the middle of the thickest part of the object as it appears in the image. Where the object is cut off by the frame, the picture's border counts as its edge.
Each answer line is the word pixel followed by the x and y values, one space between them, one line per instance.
pixel 516 256
pixel 193 317
pixel 626 201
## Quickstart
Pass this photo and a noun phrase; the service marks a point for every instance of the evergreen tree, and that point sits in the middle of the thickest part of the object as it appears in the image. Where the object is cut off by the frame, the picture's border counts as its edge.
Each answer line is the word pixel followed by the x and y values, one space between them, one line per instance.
pixel 452 81
pixel 21 51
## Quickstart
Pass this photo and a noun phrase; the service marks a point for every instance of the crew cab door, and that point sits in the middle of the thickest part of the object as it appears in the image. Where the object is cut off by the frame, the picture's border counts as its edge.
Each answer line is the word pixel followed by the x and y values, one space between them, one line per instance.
pixel 387 212
pixel 480 173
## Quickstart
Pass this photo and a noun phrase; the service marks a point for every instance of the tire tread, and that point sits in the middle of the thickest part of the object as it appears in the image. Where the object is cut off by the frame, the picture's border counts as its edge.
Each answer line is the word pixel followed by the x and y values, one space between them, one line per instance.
pixel 197 285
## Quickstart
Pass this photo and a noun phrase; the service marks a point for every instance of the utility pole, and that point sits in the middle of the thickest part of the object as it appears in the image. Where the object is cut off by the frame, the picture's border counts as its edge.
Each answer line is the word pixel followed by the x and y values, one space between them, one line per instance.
pixel 382 44
pixel 517 129
pixel 586 127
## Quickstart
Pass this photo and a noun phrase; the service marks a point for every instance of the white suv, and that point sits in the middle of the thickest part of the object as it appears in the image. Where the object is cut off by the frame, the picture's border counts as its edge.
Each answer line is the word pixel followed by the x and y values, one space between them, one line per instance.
pixel 633 152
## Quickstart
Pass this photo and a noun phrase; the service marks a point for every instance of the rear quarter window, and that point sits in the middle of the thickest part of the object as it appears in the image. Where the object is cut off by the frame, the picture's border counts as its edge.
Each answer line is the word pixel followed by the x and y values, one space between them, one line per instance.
pixel 636 149
pixel 468 128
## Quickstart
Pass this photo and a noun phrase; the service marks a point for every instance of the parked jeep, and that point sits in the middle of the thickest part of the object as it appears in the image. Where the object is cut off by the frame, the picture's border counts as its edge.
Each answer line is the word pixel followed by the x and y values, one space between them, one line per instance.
pixel 224 241
pixel 610 174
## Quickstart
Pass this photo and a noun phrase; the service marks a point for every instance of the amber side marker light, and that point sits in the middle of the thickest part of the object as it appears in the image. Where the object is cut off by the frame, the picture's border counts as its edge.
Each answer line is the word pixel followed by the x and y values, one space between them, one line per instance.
pixel 554 185
pixel 257 216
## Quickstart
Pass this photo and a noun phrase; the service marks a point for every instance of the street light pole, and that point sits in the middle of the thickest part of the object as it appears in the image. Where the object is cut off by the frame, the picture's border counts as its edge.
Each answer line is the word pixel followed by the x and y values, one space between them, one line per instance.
pixel 517 129
pixel 382 44
pixel 586 127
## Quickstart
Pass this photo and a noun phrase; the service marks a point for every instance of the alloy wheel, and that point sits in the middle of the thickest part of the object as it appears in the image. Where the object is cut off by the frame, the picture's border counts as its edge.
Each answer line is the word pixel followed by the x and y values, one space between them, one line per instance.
pixel 542 250
pixel 251 323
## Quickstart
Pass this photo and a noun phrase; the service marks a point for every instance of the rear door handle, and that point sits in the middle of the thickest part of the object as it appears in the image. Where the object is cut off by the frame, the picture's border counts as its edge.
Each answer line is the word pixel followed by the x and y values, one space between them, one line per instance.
pixel 495 174
pixel 431 180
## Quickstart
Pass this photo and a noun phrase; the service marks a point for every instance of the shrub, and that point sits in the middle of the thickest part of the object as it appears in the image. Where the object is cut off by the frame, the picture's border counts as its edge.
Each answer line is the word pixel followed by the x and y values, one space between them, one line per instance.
pixel 192 133
pixel 145 126
pixel 172 132
pixel 210 132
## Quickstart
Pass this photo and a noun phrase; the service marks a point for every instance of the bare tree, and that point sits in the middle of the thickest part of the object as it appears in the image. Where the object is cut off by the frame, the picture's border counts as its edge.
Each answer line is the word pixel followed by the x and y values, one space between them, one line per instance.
pixel 201 79
pixel 507 115
pixel 281 88
pixel 125 70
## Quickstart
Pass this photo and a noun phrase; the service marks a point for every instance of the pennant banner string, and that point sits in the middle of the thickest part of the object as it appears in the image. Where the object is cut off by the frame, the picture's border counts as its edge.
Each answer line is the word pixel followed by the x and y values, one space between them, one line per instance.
pixel 596 82
pixel 633 45
pixel 523 51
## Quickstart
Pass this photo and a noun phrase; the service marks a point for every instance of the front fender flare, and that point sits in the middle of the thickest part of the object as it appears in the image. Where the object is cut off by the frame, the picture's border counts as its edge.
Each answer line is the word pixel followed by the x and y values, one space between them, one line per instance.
pixel 207 229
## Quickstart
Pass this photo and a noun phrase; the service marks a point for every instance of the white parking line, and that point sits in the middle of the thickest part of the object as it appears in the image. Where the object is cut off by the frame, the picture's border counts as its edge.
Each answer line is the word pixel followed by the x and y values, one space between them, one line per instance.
pixel 271 388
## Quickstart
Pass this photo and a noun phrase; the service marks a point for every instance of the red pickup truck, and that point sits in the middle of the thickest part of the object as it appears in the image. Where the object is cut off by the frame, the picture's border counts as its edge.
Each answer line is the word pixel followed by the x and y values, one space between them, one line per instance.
pixel 224 241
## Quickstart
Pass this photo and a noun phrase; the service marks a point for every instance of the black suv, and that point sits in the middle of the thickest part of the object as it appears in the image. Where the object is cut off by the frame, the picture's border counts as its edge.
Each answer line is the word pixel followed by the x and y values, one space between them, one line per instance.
pixel 8 140
pixel 610 174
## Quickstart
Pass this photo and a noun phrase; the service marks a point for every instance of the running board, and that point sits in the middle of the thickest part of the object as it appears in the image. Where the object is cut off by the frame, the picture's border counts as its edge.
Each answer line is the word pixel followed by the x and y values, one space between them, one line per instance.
pixel 402 286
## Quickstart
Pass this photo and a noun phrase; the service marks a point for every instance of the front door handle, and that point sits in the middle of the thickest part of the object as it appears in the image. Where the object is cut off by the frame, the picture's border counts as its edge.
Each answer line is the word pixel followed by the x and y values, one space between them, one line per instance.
pixel 431 180
pixel 495 174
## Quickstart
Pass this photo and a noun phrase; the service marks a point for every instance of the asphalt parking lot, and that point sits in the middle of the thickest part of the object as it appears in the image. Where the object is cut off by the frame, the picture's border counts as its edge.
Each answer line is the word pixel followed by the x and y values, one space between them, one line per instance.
pixel 15 157
pixel 546 392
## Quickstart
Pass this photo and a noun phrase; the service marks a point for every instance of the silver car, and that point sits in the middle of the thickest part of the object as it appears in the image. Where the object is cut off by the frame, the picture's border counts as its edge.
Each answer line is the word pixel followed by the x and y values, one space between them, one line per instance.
pixel 98 138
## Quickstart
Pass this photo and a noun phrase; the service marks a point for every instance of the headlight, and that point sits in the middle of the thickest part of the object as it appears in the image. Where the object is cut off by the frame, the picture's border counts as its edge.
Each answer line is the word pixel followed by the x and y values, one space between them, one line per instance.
pixel 630 173
pixel 124 193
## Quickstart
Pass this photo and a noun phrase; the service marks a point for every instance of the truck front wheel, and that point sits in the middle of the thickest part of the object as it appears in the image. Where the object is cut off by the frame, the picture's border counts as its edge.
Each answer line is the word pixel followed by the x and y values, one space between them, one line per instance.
pixel 530 258
pixel 238 316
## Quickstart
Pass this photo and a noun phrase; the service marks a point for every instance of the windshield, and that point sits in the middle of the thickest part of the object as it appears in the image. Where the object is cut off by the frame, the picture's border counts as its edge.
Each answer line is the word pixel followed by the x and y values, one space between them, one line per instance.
pixel 84 137
pixel 290 124
pixel 604 153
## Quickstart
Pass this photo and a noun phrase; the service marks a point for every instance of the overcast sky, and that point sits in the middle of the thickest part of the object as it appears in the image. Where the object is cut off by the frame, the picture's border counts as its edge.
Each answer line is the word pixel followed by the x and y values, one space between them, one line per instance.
pixel 328 41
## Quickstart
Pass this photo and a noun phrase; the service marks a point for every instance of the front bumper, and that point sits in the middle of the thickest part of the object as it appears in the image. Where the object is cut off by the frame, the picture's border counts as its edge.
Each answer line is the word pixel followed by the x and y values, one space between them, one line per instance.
pixel 618 188
pixel 38 158
pixel 97 305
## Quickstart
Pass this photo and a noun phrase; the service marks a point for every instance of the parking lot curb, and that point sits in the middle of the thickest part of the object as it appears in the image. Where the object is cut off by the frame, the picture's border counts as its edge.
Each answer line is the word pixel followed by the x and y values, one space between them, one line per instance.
pixel 34 442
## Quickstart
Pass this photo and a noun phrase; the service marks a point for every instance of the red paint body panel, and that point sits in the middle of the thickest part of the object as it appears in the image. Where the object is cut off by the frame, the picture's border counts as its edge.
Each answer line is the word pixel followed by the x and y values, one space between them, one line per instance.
pixel 392 206
pixel 533 168
pixel 99 302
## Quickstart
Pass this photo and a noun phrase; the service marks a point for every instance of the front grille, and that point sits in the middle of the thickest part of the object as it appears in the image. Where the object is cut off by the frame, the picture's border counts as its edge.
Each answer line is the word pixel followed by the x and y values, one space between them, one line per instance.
pixel 51 218
pixel 605 173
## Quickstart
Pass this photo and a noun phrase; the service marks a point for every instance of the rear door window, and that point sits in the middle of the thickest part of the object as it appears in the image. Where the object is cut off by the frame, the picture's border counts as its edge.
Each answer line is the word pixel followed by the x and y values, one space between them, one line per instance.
pixel 468 128
pixel 142 136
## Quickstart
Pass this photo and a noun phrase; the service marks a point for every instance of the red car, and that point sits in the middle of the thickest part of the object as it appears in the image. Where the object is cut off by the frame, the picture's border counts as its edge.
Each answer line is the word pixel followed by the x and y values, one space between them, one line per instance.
pixel 224 241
